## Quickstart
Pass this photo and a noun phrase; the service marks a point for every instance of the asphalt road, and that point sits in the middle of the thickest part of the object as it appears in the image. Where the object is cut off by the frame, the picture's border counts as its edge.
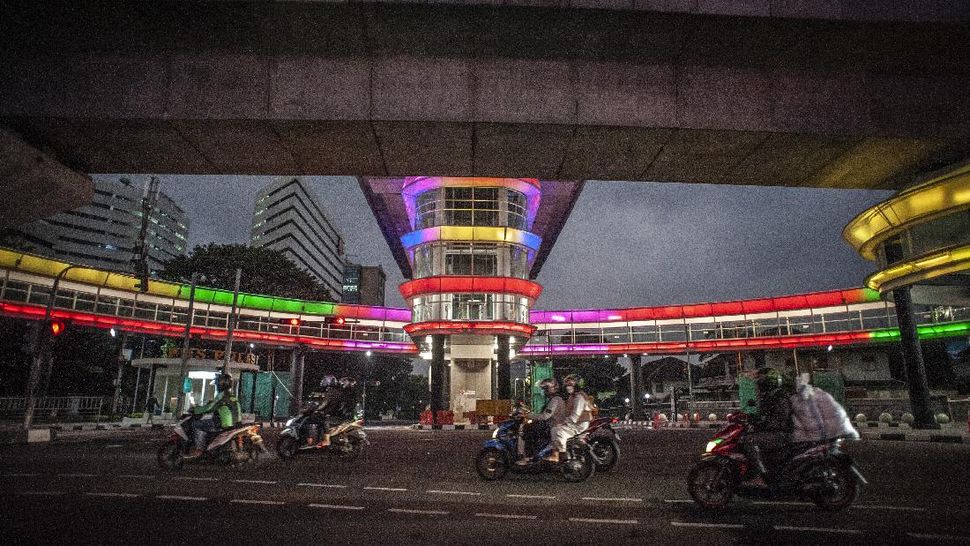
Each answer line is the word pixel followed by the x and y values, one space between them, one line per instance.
pixel 415 487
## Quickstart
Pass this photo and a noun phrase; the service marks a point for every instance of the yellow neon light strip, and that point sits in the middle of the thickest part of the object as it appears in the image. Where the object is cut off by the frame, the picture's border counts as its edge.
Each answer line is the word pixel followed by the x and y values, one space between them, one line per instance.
pixel 937 197
pixel 921 268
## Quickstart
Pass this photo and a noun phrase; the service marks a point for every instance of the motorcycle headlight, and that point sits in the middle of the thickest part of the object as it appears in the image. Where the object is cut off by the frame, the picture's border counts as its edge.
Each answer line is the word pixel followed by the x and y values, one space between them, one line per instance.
pixel 712 444
pixel 495 433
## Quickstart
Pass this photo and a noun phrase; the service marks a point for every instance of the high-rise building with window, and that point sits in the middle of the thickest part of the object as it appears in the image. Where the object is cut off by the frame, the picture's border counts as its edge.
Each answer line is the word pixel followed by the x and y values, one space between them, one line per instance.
pixel 289 219
pixel 105 234
pixel 364 284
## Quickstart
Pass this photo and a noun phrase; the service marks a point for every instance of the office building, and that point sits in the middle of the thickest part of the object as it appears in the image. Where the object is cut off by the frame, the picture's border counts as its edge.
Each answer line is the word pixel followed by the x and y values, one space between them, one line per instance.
pixel 364 284
pixel 290 219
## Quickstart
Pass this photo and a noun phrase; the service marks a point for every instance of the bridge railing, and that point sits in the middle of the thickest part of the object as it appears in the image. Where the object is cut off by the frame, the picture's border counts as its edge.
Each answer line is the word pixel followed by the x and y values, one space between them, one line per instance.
pixel 59 408
pixel 93 299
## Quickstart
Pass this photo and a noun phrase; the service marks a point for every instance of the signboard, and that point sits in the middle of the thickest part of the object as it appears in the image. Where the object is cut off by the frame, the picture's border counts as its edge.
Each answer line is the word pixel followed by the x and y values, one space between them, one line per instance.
pixel 213 354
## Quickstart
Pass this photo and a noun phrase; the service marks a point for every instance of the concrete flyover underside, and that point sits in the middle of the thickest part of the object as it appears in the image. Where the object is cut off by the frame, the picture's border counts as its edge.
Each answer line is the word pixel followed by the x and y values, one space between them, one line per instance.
pixel 479 90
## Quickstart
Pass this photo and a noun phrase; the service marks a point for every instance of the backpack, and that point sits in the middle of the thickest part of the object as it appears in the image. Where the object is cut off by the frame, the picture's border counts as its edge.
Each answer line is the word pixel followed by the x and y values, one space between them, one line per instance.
pixel 816 416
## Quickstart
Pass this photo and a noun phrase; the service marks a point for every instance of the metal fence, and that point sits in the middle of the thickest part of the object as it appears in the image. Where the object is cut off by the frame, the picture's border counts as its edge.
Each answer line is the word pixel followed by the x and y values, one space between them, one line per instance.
pixel 61 408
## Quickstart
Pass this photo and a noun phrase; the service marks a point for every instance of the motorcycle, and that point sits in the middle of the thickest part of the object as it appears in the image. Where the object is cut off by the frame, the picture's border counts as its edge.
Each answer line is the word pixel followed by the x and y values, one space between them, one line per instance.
pixel 818 471
pixel 499 454
pixel 603 442
pixel 346 439
pixel 231 447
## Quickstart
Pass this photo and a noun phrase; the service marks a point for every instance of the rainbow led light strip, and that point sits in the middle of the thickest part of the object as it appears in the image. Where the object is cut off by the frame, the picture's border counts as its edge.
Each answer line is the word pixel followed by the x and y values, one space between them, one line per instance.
pixel 940 196
pixel 470 327
pixel 814 300
pixel 932 265
pixel 414 186
pixel 928 331
pixel 471 233
pixel 47 267
pixel 453 284
pixel 158 328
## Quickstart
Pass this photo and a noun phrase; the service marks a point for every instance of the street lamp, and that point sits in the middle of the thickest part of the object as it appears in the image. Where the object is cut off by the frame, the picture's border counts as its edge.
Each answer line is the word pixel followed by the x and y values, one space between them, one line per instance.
pixel 41 350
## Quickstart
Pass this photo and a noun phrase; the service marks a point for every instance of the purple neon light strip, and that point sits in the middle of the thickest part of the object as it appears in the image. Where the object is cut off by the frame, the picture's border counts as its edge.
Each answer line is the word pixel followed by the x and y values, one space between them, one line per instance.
pixel 414 186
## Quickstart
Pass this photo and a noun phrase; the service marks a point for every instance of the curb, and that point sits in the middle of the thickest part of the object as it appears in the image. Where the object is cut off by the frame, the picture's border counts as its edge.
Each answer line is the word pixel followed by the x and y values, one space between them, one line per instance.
pixel 917 437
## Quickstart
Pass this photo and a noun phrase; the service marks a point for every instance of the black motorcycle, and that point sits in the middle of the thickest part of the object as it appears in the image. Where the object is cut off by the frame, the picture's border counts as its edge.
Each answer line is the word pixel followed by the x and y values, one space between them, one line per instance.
pixel 346 439
pixel 230 447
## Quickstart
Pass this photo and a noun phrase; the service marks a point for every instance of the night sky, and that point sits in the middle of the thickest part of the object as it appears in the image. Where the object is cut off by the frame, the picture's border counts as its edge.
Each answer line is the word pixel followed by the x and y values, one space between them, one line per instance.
pixel 625 244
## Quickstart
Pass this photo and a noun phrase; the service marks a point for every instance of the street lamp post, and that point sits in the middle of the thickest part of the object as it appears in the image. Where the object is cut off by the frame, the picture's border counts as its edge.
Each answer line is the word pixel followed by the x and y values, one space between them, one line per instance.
pixel 184 367
pixel 41 352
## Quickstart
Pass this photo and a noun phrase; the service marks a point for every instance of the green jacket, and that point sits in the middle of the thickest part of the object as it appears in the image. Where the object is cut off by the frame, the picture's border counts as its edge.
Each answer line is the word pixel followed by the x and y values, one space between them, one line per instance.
pixel 225 408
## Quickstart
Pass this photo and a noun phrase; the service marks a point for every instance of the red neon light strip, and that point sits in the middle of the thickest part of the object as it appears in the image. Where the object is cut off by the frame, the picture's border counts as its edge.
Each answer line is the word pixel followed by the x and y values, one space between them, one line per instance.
pixel 450 284
pixel 704 346
pixel 469 327
pixel 156 328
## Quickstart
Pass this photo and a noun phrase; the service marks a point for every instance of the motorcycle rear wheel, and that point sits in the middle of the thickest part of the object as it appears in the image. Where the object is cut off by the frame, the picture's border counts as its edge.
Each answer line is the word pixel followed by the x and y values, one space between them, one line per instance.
pixel 491 464
pixel 838 489
pixel 578 468
pixel 712 484
pixel 169 455
pixel 605 452
pixel 287 447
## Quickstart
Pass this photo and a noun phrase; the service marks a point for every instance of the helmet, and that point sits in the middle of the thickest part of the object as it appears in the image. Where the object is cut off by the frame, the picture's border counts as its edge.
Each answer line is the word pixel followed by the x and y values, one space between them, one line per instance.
pixel 574 380
pixel 328 381
pixel 223 382
pixel 347 382
pixel 549 386
pixel 768 379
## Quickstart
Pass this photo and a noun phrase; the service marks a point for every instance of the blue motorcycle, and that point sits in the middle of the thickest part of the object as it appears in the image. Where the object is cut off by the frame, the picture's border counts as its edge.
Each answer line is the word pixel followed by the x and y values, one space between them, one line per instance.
pixel 499 454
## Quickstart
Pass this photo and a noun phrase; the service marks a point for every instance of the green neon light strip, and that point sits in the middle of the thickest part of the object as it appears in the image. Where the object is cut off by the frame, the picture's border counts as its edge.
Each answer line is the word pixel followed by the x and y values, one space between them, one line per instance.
pixel 926 331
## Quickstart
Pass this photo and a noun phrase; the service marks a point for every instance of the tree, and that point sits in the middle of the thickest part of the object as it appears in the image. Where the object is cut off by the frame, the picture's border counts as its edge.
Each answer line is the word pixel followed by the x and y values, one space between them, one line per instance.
pixel 264 271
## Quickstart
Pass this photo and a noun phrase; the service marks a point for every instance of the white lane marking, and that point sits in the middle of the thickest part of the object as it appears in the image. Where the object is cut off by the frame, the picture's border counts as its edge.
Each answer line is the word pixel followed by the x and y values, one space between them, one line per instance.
pixel 440 492
pixel 707 525
pixel 886 507
pixel 413 511
pixel 615 499
pixel 20 475
pixel 180 497
pixel 678 501
pixel 255 501
pixel 43 493
pixel 113 446
pixel 505 516
pixel 196 479
pixel 254 481
pixel 122 495
pixel 77 475
pixel 386 488
pixel 818 529
pixel 594 520
pixel 783 503
pixel 136 476
pixel 925 536
pixel 331 485
pixel 531 496
pixel 337 506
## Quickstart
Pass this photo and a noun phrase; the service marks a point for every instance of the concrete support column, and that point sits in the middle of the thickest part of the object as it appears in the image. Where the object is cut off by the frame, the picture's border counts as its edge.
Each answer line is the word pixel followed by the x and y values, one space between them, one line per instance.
pixel 437 375
pixel 504 372
pixel 297 360
pixel 919 391
pixel 636 396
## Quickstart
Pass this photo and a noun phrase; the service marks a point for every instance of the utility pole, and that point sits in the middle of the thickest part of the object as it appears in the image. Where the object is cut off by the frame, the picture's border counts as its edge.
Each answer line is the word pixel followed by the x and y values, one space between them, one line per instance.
pixel 184 368
pixel 232 323
pixel 140 259
pixel 121 373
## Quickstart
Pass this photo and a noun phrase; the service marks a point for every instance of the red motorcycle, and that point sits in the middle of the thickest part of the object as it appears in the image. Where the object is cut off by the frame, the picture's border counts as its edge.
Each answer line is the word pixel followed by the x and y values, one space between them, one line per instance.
pixel 818 471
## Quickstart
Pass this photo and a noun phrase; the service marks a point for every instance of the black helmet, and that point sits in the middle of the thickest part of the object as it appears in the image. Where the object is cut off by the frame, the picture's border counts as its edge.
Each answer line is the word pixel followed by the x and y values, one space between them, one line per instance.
pixel 574 380
pixel 549 386
pixel 768 379
pixel 223 382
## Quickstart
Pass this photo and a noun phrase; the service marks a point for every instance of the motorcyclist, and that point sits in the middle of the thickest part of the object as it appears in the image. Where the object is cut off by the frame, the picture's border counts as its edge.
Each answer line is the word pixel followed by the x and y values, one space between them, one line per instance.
pixel 772 427
pixel 540 425
pixel 337 401
pixel 578 414
pixel 225 413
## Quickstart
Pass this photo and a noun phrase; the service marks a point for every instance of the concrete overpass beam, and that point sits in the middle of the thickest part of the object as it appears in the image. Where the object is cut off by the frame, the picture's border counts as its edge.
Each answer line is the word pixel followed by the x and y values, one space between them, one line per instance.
pixel 35 184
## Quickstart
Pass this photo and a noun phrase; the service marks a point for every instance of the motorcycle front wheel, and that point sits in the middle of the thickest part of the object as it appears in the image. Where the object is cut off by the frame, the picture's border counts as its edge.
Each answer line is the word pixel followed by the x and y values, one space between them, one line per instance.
pixel 352 450
pixel 287 447
pixel 712 484
pixel 836 487
pixel 491 464
pixel 579 467
pixel 605 452
pixel 169 455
